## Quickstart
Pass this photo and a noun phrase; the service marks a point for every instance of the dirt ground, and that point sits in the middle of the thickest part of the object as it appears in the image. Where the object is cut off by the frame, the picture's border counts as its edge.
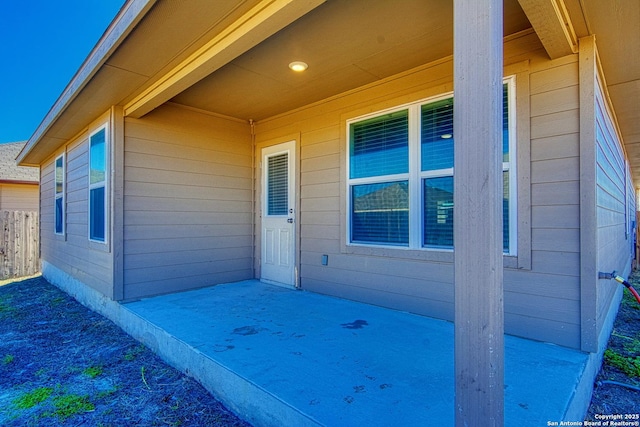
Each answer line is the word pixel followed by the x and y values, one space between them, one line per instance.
pixel 621 364
pixel 62 364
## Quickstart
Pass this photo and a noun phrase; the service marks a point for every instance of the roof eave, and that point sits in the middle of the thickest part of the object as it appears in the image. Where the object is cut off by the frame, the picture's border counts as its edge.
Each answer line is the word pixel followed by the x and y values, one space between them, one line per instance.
pixel 129 16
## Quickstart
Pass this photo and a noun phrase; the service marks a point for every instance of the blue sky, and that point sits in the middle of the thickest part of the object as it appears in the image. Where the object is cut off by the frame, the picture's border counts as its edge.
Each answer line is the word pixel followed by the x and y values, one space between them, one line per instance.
pixel 42 45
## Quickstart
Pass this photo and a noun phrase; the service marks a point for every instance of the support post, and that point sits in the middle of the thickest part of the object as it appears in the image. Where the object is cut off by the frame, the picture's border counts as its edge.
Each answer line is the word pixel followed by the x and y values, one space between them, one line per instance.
pixel 116 202
pixel 479 317
pixel 588 68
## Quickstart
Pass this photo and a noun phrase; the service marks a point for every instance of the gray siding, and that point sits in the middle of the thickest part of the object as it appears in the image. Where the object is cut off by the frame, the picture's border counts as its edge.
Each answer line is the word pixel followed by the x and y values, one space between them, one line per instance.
pixel 73 253
pixel 546 302
pixel 187 202
pixel 615 207
pixel 541 302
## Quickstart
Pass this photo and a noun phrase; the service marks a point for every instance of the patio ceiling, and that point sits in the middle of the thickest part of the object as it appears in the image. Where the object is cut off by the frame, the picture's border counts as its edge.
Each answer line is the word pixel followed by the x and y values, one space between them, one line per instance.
pixel 346 44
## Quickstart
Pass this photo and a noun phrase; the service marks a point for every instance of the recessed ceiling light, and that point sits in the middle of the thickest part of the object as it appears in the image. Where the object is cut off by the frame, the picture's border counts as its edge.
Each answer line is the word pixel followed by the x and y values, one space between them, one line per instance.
pixel 298 66
pixel 446 136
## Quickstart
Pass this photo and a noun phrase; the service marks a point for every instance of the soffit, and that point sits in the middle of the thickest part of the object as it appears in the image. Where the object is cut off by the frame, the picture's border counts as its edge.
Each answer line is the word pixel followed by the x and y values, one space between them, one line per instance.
pixel 157 37
pixel 616 25
pixel 347 44
pixel 107 88
pixel 171 32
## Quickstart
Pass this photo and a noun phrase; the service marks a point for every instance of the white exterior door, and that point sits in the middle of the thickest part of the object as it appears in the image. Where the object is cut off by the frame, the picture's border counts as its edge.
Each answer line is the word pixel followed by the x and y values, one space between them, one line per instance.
pixel 278 214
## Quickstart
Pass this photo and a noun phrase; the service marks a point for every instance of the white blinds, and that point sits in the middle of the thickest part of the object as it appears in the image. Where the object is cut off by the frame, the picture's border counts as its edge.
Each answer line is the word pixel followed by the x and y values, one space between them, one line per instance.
pixel 278 184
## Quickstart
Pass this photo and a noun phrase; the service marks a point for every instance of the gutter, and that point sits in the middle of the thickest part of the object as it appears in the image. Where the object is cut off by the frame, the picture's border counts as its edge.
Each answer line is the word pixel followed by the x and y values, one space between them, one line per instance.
pixel 11 181
pixel 129 16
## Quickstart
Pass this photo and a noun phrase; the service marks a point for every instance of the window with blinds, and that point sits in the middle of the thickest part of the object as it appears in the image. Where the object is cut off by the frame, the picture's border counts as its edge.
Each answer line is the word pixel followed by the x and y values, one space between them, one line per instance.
pixel 380 213
pixel 384 182
pixel 380 146
pixel 278 184
pixel 379 152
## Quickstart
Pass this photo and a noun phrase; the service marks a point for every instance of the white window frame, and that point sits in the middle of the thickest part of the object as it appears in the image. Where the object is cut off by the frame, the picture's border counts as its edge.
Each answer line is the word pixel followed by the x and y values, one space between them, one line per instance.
pixel 104 183
pixel 60 195
pixel 415 175
pixel 511 167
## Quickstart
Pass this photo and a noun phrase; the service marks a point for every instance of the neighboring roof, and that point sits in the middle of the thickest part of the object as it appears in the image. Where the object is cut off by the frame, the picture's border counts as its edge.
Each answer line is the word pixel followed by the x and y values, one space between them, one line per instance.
pixel 9 169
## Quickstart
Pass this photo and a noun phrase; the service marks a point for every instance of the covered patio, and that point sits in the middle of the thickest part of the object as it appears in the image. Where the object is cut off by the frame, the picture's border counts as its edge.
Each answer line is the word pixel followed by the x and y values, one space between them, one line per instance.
pixel 195 97
pixel 278 356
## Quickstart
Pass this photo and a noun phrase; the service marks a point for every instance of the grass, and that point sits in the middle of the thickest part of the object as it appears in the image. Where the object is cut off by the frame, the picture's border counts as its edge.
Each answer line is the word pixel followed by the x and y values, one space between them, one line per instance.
pixel 630 299
pixel 93 371
pixel 64 405
pixel 106 393
pixel 633 346
pixel 5 307
pixel 77 368
pixel 68 405
pixel 628 365
pixel 56 301
pixel 132 353
pixel 33 398
pixel 57 402
pixel 625 355
pixel 621 363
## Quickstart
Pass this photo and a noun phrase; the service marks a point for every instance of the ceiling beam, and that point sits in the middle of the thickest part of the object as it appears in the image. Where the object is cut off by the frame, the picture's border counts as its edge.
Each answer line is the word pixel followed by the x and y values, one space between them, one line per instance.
pixel 550 20
pixel 259 23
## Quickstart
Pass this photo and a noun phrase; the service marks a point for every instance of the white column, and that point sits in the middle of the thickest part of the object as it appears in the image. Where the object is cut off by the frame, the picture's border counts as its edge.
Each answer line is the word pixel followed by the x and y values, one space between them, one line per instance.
pixel 479 318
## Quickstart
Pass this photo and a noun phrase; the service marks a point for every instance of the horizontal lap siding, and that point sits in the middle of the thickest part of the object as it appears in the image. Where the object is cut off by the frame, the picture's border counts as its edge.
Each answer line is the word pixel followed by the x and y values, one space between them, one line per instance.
pixel 541 303
pixel 19 197
pixel 187 204
pixel 46 203
pixel 550 311
pixel 615 207
pixel 88 262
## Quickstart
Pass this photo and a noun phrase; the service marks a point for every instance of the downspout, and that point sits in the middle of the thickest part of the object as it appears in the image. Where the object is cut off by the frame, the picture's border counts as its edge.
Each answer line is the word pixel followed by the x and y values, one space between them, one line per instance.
pixel 252 124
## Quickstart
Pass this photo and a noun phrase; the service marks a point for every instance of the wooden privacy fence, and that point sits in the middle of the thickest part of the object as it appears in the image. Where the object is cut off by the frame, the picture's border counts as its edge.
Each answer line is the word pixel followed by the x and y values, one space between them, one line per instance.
pixel 20 246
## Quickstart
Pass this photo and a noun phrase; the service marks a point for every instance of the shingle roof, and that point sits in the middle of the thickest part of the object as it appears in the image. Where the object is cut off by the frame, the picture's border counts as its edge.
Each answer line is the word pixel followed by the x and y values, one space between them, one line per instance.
pixel 9 170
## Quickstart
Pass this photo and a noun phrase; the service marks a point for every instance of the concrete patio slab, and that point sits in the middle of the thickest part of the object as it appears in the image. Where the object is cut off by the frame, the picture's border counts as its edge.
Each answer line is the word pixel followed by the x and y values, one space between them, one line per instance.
pixel 284 357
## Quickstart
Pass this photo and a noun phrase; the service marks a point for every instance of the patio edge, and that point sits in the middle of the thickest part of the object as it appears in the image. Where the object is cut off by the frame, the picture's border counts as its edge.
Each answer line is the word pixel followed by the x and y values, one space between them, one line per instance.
pixel 247 400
